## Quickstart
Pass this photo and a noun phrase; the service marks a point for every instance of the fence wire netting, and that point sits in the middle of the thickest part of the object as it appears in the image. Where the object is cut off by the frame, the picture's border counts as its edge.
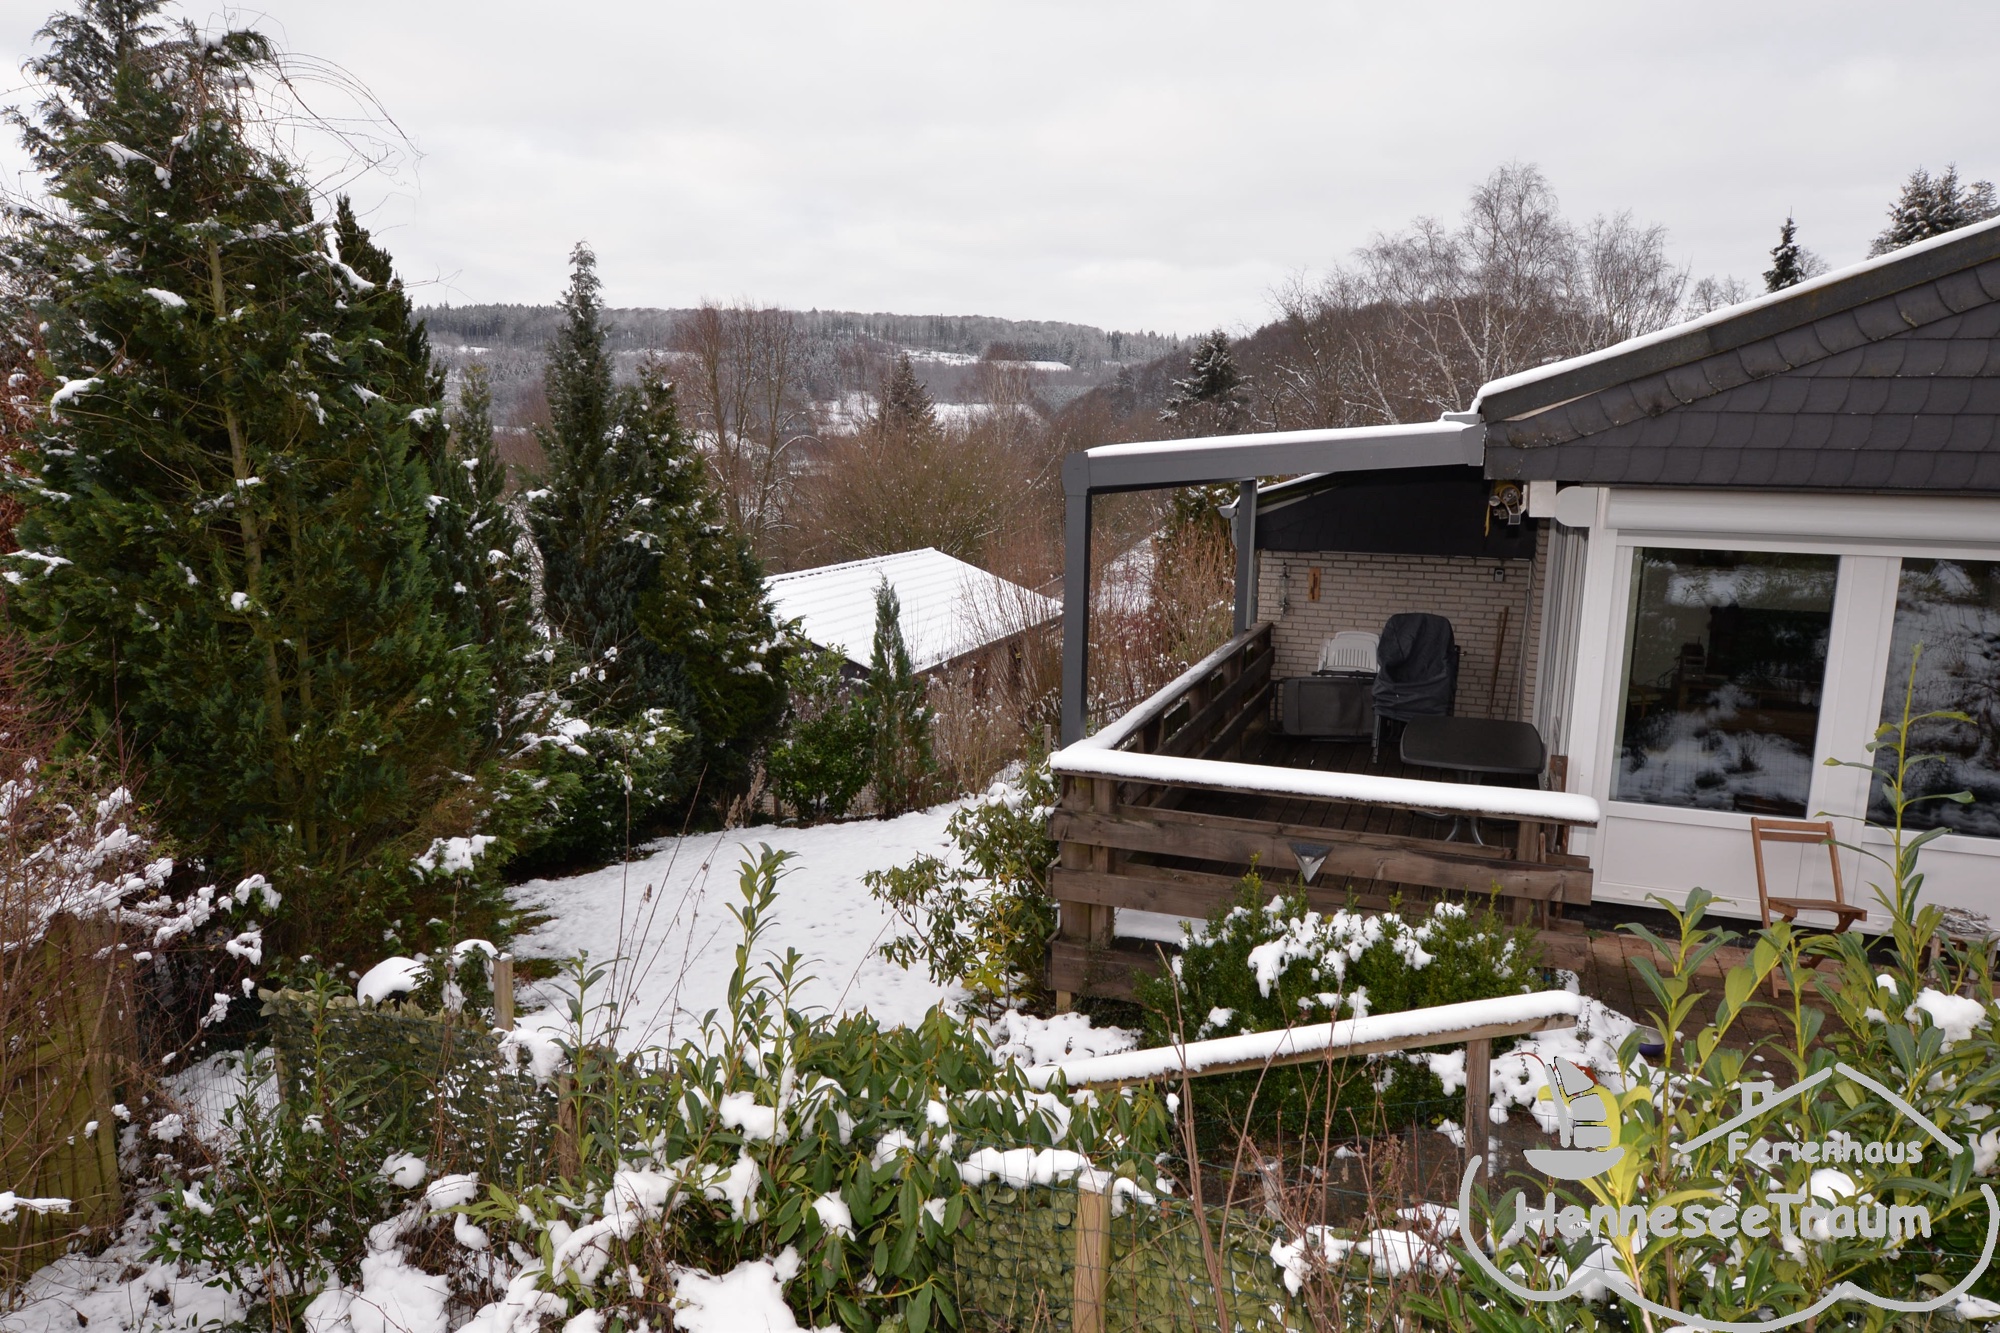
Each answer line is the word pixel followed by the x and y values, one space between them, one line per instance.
pixel 437 1079
pixel 1381 1197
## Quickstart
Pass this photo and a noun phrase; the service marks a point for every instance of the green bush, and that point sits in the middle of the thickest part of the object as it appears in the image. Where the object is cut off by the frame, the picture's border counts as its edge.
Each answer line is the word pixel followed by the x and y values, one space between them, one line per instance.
pixel 822 762
pixel 1265 964
pixel 985 920
pixel 595 790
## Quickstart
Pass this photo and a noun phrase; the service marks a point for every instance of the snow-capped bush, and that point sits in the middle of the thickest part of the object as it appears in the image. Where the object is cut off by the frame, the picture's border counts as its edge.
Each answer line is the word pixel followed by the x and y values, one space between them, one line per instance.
pixel 1270 962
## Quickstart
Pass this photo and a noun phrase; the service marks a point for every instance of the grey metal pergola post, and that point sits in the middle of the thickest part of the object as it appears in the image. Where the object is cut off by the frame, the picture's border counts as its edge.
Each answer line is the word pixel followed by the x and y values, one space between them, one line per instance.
pixel 1076 597
pixel 1245 525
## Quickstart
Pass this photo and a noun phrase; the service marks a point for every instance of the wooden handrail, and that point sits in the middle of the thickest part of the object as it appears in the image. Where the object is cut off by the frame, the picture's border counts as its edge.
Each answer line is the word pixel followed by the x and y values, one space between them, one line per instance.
pixel 1115 735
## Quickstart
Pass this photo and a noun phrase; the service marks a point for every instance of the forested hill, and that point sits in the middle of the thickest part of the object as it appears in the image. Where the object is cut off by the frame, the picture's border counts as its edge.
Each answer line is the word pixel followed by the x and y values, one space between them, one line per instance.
pixel 1081 346
pixel 838 346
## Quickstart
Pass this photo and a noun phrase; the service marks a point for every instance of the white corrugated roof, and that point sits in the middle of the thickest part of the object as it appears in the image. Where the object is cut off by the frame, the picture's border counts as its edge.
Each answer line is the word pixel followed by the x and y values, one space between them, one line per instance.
pixel 949 607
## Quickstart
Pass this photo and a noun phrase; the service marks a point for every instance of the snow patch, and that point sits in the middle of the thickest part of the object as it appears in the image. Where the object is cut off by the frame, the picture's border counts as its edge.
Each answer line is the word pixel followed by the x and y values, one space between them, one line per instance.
pixel 749 1298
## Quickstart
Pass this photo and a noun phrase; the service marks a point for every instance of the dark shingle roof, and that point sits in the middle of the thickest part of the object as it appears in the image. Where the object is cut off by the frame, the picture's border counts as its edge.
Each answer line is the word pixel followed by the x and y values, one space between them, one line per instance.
pixel 1881 377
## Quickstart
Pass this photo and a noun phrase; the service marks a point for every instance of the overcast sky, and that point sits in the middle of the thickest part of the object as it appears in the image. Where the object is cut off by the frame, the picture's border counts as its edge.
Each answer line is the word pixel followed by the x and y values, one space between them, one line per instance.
pixel 1143 165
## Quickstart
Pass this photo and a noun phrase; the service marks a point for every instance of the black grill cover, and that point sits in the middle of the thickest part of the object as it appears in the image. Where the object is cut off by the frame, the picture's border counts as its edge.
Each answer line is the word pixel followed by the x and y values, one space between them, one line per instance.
pixel 1416 657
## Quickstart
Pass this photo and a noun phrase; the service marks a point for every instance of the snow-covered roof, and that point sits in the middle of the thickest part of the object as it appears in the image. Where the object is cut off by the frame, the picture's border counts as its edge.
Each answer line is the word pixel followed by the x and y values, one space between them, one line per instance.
pixel 949 608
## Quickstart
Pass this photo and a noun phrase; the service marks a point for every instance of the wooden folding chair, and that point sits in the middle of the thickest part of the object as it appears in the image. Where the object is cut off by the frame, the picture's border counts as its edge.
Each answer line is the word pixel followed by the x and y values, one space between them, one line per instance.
pixel 1809 831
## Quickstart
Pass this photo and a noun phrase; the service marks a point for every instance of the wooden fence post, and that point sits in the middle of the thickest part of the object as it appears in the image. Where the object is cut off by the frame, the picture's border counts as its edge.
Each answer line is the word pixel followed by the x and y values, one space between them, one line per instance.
pixel 1093 1257
pixel 503 992
pixel 1074 920
pixel 569 1145
pixel 1103 801
pixel 1478 1101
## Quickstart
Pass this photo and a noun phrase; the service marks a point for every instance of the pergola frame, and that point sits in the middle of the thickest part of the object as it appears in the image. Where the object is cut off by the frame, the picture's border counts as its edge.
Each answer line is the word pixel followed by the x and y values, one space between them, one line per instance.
pixel 1455 438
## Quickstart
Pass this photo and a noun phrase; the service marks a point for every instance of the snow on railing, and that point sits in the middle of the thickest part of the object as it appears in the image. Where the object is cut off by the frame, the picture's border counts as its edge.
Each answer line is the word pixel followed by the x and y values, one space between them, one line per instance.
pixel 1551 807
pixel 1439 1025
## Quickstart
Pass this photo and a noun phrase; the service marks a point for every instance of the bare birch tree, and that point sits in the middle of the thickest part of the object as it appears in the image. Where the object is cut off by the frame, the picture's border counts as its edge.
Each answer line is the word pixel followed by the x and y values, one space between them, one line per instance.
pixel 746 366
pixel 1426 315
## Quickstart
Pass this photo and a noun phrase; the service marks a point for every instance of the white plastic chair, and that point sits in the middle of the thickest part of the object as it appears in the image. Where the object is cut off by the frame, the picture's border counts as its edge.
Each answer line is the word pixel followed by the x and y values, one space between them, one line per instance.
pixel 1349 650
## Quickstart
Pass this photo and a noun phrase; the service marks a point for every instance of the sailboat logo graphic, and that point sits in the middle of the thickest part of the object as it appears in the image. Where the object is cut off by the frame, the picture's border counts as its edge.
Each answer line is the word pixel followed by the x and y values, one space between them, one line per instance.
pixel 1586 1125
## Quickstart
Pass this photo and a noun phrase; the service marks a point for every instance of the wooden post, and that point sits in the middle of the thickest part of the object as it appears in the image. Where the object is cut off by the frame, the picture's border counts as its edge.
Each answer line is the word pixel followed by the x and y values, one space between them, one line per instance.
pixel 503 992
pixel 569 1144
pixel 1478 1101
pixel 1073 919
pixel 1093 1258
pixel 1103 800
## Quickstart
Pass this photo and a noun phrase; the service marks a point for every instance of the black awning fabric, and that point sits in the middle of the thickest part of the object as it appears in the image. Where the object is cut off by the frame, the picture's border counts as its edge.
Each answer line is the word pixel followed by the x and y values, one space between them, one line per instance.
pixel 1401 511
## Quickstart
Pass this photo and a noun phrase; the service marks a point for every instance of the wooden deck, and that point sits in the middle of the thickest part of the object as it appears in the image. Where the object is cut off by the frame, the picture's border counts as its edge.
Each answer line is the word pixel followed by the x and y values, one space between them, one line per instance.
pixel 1180 842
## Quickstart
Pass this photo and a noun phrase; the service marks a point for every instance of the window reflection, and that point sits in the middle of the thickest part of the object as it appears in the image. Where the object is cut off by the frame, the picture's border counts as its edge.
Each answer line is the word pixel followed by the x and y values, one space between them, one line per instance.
pixel 1951 607
pixel 1725 661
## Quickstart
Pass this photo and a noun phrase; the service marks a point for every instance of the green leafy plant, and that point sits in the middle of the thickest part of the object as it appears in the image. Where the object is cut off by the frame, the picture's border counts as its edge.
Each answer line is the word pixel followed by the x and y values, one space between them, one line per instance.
pixel 1918 1017
pixel 775 1128
pixel 592 789
pixel 984 919
pixel 830 1146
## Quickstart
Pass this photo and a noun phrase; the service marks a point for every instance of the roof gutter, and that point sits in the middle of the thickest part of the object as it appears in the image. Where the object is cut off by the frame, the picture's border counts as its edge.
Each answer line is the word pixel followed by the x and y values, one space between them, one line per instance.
pixel 1454 438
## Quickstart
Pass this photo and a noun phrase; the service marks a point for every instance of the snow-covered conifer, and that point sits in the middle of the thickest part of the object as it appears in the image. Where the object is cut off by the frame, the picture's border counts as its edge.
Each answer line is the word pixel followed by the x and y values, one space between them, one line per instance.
pixel 899 719
pixel 1791 263
pixel 1933 205
pixel 658 602
pixel 1213 398
pixel 226 529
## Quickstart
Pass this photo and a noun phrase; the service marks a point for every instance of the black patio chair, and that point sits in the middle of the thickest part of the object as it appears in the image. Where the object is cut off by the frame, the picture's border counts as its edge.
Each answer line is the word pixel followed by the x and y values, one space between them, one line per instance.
pixel 1416 670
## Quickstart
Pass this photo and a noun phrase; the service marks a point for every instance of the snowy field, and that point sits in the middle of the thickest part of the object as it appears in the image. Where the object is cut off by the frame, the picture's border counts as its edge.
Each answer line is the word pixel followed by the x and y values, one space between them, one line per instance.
pixel 665 917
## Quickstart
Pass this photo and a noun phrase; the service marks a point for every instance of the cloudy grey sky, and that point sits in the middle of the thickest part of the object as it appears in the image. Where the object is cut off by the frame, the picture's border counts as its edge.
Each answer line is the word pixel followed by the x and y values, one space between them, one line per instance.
pixel 1135 165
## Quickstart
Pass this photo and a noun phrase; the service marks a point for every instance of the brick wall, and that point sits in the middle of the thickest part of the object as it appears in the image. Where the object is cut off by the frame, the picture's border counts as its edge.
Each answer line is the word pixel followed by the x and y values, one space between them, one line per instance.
pixel 1363 591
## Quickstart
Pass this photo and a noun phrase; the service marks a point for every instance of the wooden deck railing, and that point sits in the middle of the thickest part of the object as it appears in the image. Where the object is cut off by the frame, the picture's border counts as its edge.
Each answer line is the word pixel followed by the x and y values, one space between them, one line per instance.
pixel 1127 842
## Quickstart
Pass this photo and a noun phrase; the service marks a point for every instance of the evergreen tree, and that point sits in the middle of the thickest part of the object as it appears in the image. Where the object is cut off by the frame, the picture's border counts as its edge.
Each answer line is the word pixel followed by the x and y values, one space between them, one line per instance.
pixel 614 464
pixel 659 603
pixel 907 411
pixel 1788 260
pixel 899 717
pixel 1933 205
pixel 226 523
pixel 484 567
pixel 824 760
pixel 1213 398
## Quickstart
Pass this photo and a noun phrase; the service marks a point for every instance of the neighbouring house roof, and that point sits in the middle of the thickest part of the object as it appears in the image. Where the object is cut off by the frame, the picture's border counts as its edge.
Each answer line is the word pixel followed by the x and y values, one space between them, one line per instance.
pixel 949 608
pixel 1882 376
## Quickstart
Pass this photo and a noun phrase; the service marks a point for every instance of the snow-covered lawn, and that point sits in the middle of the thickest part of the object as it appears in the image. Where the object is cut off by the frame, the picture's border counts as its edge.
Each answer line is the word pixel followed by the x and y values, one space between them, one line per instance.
pixel 665 917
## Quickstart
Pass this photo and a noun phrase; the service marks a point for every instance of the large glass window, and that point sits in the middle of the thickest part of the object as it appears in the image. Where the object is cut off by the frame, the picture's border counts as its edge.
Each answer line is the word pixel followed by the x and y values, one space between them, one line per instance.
pixel 1724 665
pixel 1952 608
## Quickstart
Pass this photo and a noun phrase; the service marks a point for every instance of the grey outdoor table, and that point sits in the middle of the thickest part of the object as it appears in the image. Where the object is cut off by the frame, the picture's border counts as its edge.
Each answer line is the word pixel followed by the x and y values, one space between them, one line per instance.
pixel 1474 745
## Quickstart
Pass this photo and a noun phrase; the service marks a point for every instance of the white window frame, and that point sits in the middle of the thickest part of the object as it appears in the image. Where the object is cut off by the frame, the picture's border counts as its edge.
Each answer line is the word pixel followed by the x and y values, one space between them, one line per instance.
pixel 1874 533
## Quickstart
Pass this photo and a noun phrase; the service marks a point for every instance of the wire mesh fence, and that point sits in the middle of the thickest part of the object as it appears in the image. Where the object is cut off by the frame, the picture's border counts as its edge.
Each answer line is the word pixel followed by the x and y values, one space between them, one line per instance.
pixel 1029 1260
pixel 439 1079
